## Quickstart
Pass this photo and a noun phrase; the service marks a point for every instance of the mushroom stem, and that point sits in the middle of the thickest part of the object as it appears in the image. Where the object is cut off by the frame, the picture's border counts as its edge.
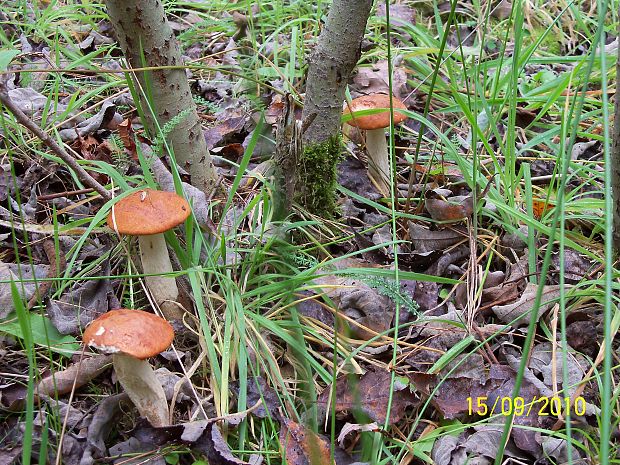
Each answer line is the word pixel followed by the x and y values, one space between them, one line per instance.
pixel 378 159
pixel 143 388
pixel 155 259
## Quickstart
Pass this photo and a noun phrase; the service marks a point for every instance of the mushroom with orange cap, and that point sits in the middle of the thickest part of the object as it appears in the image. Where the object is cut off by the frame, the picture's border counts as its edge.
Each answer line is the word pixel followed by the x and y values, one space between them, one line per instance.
pixel 375 124
pixel 148 213
pixel 132 336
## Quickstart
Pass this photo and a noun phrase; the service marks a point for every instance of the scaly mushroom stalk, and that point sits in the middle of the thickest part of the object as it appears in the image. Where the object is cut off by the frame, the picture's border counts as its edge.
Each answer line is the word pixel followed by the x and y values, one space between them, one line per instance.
pixel 143 388
pixel 378 159
pixel 155 259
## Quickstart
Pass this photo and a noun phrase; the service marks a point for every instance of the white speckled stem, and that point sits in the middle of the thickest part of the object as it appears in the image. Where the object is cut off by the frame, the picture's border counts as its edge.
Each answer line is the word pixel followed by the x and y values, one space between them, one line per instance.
pixel 141 385
pixel 378 159
pixel 155 259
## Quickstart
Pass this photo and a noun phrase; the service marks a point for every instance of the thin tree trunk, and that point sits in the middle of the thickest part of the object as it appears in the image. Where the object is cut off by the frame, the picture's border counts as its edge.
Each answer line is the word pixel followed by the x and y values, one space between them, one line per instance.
pixel 335 56
pixel 142 30
pixel 615 158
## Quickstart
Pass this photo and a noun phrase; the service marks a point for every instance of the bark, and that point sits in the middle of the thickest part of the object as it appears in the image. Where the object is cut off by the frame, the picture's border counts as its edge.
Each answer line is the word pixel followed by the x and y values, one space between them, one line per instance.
pixel 142 30
pixel 335 56
pixel 615 161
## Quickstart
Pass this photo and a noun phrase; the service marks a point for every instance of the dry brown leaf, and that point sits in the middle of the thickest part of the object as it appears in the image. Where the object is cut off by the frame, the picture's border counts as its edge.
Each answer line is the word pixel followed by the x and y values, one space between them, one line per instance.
pixel 441 207
pixel 370 395
pixel 521 310
pixel 358 301
pixel 302 446
pixel 426 240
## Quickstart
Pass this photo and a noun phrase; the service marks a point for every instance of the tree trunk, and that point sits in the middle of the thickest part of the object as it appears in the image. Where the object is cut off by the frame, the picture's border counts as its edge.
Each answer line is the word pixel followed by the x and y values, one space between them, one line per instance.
pixel 615 159
pixel 335 56
pixel 142 30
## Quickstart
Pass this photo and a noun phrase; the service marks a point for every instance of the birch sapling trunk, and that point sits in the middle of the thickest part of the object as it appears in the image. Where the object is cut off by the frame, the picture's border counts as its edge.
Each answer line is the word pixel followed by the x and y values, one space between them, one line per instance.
pixel 146 39
pixel 331 64
pixel 615 160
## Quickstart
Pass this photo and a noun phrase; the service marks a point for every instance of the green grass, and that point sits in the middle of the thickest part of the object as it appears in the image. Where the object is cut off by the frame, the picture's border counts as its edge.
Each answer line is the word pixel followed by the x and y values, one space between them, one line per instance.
pixel 246 281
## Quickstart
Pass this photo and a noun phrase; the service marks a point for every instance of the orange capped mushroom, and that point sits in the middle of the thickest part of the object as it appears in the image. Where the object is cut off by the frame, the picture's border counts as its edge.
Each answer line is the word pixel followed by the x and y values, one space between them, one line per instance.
pixel 148 213
pixel 374 125
pixel 132 336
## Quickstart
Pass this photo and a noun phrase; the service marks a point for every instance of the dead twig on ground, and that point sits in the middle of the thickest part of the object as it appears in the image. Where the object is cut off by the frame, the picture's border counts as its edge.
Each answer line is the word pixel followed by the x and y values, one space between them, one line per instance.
pixel 29 124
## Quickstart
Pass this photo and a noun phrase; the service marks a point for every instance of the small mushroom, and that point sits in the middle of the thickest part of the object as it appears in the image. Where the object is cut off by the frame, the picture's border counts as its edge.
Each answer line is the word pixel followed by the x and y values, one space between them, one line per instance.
pixel 132 336
pixel 375 124
pixel 149 213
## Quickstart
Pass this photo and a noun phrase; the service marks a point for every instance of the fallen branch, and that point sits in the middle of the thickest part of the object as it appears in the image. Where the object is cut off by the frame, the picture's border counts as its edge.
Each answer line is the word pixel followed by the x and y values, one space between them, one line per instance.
pixel 76 375
pixel 25 121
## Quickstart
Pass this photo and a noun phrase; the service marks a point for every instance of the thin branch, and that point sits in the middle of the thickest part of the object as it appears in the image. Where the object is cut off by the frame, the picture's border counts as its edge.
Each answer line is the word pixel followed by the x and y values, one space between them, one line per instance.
pixel 25 121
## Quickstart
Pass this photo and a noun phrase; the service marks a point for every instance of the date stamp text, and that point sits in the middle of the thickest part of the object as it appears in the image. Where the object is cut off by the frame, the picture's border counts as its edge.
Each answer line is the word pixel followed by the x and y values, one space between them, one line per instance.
pixel 547 406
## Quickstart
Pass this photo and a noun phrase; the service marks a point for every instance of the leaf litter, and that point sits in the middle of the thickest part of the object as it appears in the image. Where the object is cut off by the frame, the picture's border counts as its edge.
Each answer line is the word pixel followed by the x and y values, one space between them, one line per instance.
pixel 453 349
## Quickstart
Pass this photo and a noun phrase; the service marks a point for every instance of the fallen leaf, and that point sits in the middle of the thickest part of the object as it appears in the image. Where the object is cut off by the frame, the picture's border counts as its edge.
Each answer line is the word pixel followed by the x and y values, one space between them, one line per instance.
pixel 369 395
pixel 24 276
pixel 230 122
pixel 358 300
pixel 31 102
pixel 521 310
pixel 302 446
pixel 456 396
pixel 576 266
pixel 373 79
pixel 426 240
pixel 399 13
pixel 541 363
pixel 540 207
pixel 202 436
pixel 442 208
pixel 91 125
pixel 125 131
pixel 82 304
pixel 100 425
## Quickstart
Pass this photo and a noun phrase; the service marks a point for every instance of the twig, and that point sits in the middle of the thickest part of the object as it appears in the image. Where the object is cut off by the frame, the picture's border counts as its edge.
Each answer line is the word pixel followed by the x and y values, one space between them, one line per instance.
pixel 57 266
pixel 25 121
pixel 77 374
pixel 43 198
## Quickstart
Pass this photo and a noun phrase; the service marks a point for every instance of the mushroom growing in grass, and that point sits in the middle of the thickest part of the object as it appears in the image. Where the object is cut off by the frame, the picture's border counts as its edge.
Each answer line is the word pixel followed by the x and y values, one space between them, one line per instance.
pixel 132 336
pixel 375 124
pixel 149 213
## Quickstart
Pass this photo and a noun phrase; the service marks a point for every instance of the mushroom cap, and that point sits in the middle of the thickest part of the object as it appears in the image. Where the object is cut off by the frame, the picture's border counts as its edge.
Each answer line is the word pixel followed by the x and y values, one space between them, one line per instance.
pixel 376 120
pixel 148 211
pixel 131 332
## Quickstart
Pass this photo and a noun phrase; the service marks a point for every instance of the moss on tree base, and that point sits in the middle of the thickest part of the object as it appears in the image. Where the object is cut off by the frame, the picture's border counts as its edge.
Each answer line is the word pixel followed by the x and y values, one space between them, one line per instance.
pixel 317 177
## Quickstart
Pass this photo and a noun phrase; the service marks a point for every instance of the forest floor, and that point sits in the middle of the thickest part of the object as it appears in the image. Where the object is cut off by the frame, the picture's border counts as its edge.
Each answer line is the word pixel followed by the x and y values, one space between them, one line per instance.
pixel 462 320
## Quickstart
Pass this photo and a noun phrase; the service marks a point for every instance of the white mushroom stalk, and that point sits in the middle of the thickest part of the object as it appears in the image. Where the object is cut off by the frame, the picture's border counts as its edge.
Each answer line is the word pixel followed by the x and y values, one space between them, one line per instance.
pixel 143 388
pixel 155 260
pixel 378 159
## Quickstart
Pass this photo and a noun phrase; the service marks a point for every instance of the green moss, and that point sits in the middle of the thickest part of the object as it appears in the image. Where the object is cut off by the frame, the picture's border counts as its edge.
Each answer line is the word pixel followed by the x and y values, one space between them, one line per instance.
pixel 316 183
pixel 552 43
